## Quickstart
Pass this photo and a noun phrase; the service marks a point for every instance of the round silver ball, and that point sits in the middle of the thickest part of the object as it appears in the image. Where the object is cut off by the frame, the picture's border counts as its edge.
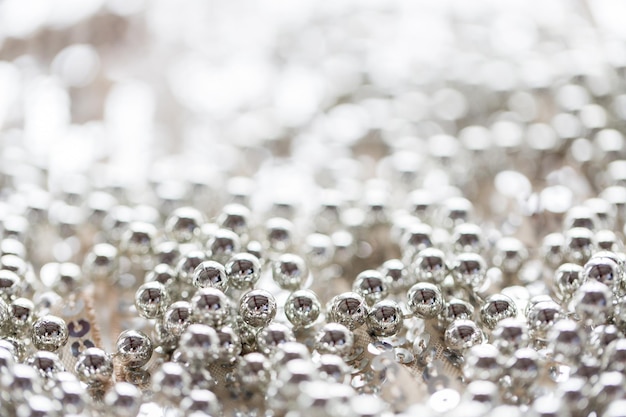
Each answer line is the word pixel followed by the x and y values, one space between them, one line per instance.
pixel 425 300
pixel 223 244
pixel 567 279
pixel 123 400
pixel 456 309
pixel 566 340
pixel 430 265
pixel 302 308
pixel 467 237
pixel 397 275
pixel 201 402
pixel 603 269
pixel 289 271
pixel 170 383
pixel 348 309
pixel 593 302
pixel 22 315
pixel 134 348
pixel 200 343
pixel 497 307
pixel 371 285
pixel 470 269
pixel 385 319
pixel 210 274
pixel 235 217
pixel 230 345
pixel 523 366
pixel 211 306
pixel 333 368
pixel 101 262
pixel 279 233
pixel 254 371
pixel 243 270
pixel 257 308
pixel 49 333
pixel 151 300
pixel 177 318
pixel 187 265
pixel 482 362
pixel 542 316
pixel 272 336
pixel 463 334
pixel 510 335
pixel 510 255
pixel 162 273
pixel 10 284
pixel 184 225
pixel 46 363
pixel 579 245
pixel 94 366
pixel 137 240
pixel 334 338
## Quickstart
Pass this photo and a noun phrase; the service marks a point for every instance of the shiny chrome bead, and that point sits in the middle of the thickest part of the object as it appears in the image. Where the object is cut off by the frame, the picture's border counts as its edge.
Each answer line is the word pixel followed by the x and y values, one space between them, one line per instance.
pixel 603 269
pixel 430 265
pixel 223 244
pixel 184 225
pixel 302 309
pixel 177 318
pixel 523 366
pixel 333 368
pixel 257 308
pixel 510 334
pixel 210 274
pixel 235 217
pixel 272 336
pixel 348 309
pixel 186 267
pixel 201 402
pixel 463 334
pixel 123 400
pixel 229 345
pixel 456 309
pixel 10 284
pixel 162 273
pixel 167 252
pixel 470 269
pixel 138 239
pixel 211 306
pixel 279 234
pixel 567 279
pixel 566 340
pixel 46 363
pixel 542 316
pixel 334 338
pixel 579 245
pixel 397 276
pixel 151 300
pixel 497 307
pixel 199 343
pixel 510 255
pixel 371 285
pixel 101 262
pixel 22 315
pixel 49 333
pixel 170 383
pixel 289 271
pixel 94 366
pixel 592 302
pixel 243 270
pixel 133 348
pixel 385 319
pixel 482 362
pixel 425 300
pixel 254 371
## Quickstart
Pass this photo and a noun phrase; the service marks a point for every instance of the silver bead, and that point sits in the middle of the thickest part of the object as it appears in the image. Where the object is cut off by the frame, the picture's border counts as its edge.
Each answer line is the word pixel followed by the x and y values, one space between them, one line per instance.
pixel 609 387
pixel 470 269
pixel 279 233
pixel 254 371
pixel 201 402
pixel 580 216
pixel 123 400
pixel 138 239
pixel 68 279
pixel 463 334
pixel 187 265
pixel 49 333
pixel 22 312
pixel 333 368
pixel 603 335
pixel 162 273
pixel 101 261
pixel 603 269
pixel 567 279
pixel 614 357
pixel 616 408
pixel 385 319
pixel 371 285
pixel 243 270
pixel 523 366
pixel 170 383
pixel 151 300
pixel 223 244
pixel 257 308
pixel 210 274
pixel 510 255
pixel 133 348
pixel 396 275
pixel 5 314
pixel 94 366
pixel 10 284
pixel 199 343
pixel 467 237
pixel 334 338
pixel 497 307
pixel 167 253
pixel 579 244
pixel 510 335
pixel 425 300
pixel 542 316
pixel 184 225
pixel 416 238
pixel 38 406
pixel 230 345
pixel 302 309
pixel 23 382
pixel 289 271
pixel 456 309
pixel 608 240
pixel 272 336
pixel 318 249
pixel 177 318
pixel 211 306
pixel 592 302
pixel 483 392
pixel 46 363
pixel 552 249
pixel 482 362
pixel 235 217
pixel 430 265
pixel 566 340
pixel 289 351
pixel 70 393
pixel 348 309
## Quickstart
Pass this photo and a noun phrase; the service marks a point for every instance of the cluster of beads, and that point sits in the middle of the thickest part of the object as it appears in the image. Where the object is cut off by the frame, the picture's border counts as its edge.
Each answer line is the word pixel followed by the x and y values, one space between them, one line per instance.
pixel 372 209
